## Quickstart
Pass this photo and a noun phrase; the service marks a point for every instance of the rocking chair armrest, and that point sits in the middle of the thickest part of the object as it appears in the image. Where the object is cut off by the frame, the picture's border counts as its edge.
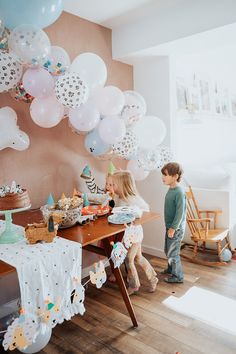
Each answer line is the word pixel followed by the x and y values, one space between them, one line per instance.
pixel 210 211
pixel 200 220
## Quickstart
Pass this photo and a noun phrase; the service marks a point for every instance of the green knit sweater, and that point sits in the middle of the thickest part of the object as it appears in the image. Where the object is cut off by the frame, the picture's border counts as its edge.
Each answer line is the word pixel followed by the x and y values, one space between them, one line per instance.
pixel 175 208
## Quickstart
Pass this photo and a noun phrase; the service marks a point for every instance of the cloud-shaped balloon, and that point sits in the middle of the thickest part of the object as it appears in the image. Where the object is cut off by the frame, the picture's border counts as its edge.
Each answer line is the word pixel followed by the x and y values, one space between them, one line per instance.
pixel 10 134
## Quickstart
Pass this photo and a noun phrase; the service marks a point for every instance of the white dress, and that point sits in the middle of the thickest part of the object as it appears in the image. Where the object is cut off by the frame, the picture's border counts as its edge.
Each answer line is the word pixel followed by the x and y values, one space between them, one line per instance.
pixel 136 200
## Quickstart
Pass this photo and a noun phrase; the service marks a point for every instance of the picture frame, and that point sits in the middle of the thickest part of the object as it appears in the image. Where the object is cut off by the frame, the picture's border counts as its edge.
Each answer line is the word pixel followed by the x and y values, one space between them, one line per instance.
pixel 181 93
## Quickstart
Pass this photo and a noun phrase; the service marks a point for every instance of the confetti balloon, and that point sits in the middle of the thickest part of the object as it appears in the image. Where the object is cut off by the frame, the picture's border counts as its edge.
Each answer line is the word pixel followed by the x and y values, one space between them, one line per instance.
pixel 10 71
pixel 30 44
pixel 71 90
pixel 127 147
pixel 19 94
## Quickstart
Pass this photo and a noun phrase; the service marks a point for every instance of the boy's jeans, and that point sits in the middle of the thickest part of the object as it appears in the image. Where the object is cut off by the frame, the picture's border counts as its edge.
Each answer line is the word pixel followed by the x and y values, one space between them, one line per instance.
pixel 172 251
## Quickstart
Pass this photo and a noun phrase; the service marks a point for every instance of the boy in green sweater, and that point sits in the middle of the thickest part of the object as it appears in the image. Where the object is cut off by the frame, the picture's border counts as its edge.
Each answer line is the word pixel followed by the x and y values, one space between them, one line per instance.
pixel 175 220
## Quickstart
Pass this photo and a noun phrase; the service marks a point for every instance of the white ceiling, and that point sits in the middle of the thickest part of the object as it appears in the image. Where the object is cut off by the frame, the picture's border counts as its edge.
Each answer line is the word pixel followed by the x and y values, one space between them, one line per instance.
pixel 106 12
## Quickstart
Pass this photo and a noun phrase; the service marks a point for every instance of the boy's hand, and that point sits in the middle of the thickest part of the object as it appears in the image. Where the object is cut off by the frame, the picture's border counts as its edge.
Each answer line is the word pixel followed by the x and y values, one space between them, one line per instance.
pixel 171 233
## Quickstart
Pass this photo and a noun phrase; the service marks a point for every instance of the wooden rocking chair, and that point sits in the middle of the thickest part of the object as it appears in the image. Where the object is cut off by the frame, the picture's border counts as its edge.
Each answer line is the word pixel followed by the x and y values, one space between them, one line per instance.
pixel 204 229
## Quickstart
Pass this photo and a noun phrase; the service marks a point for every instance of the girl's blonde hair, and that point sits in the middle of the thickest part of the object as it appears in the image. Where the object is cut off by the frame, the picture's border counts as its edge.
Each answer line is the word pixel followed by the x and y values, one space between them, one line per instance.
pixel 125 184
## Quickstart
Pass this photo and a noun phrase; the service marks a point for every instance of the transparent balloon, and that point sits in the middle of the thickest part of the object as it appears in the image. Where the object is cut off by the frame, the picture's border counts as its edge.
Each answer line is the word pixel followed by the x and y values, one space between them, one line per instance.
pixel 58 61
pixel 138 172
pixel 150 130
pixel 149 160
pixel 30 44
pixel 134 107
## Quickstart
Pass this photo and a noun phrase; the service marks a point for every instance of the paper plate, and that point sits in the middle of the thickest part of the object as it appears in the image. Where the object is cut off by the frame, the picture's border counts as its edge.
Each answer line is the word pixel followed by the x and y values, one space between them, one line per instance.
pixel 95 209
pixel 121 218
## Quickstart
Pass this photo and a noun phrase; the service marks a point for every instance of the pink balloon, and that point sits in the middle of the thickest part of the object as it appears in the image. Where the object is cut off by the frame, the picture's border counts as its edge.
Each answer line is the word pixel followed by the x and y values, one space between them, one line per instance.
pixel 46 112
pixel 112 129
pixel 38 82
pixel 84 118
pixel 138 172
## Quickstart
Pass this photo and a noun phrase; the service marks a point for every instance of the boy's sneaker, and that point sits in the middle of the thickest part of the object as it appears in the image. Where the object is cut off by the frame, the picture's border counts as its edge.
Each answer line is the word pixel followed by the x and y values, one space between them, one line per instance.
pixel 153 285
pixel 174 279
pixel 165 271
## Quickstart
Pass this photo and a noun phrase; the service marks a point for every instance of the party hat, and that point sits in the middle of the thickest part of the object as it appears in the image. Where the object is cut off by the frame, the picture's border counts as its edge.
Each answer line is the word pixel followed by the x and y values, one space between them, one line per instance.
pixel 50 200
pixel 75 193
pixel 86 173
pixel 85 198
pixel 63 196
pixel 111 168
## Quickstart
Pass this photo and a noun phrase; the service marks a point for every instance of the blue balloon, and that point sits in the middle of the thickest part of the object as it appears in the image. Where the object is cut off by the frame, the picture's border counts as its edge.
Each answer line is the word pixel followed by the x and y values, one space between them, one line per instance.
pixel 40 13
pixel 94 144
pixel 226 255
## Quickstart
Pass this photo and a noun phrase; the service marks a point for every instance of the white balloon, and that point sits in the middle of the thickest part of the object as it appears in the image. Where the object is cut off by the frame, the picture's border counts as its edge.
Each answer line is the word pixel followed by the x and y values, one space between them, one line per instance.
pixel 138 172
pixel 10 134
pixel 109 100
pixel 150 131
pixel 84 118
pixel 111 129
pixel 39 343
pixel 91 68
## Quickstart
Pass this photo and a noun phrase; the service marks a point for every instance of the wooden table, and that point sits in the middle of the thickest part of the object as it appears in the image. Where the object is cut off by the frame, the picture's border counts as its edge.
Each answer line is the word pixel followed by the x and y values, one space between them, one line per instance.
pixel 87 235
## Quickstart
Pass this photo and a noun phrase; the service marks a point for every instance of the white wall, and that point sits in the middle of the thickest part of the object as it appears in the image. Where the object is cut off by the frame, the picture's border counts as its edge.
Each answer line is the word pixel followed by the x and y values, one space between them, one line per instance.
pixel 152 80
pixel 168 21
pixel 211 141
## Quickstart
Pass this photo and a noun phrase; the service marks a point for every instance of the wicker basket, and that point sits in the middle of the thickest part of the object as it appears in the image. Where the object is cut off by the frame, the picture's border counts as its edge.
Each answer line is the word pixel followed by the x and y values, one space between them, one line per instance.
pixel 70 217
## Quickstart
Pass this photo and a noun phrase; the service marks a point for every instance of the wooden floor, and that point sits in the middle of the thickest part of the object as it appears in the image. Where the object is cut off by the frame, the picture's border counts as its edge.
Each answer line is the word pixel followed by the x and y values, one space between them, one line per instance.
pixel 106 328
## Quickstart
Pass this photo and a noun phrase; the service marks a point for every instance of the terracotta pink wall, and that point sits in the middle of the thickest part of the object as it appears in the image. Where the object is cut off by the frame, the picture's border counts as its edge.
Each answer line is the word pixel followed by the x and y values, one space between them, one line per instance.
pixel 56 156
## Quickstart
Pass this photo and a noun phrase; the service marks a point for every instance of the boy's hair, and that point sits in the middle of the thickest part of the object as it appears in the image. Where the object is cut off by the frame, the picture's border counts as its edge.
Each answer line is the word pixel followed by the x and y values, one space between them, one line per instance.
pixel 125 184
pixel 172 168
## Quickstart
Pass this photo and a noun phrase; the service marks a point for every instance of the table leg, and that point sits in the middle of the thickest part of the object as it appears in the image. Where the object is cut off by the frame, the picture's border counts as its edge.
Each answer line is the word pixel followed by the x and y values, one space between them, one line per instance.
pixel 120 282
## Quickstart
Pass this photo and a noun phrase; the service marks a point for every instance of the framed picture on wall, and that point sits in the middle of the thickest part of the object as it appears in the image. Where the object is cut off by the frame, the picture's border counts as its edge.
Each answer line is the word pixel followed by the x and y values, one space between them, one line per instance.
pixel 233 105
pixel 204 95
pixel 216 99
pixel 225 103
pixel 181 93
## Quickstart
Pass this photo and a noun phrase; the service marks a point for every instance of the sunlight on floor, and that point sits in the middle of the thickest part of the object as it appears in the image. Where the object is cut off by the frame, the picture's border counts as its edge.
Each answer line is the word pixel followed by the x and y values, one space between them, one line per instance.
pixel 207 306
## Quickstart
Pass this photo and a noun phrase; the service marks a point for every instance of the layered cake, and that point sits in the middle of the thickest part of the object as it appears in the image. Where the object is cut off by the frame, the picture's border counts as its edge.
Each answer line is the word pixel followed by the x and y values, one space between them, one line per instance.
pixel 13 197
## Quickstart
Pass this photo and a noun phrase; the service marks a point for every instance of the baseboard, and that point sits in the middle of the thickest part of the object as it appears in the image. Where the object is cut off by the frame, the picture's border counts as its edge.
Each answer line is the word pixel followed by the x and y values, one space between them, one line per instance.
pixel 153 251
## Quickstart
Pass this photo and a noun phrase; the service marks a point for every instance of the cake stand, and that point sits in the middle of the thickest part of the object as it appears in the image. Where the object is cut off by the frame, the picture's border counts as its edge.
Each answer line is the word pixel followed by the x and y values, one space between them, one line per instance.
pixel 11 234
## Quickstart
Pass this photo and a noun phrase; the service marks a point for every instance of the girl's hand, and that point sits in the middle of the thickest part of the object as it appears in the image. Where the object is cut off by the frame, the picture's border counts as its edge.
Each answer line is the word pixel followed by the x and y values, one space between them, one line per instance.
pixel 171 233
pixel 78 194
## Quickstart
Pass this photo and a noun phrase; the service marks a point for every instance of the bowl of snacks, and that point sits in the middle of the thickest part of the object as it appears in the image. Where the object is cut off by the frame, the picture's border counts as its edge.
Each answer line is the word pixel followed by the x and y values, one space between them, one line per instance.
pixel 69 208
